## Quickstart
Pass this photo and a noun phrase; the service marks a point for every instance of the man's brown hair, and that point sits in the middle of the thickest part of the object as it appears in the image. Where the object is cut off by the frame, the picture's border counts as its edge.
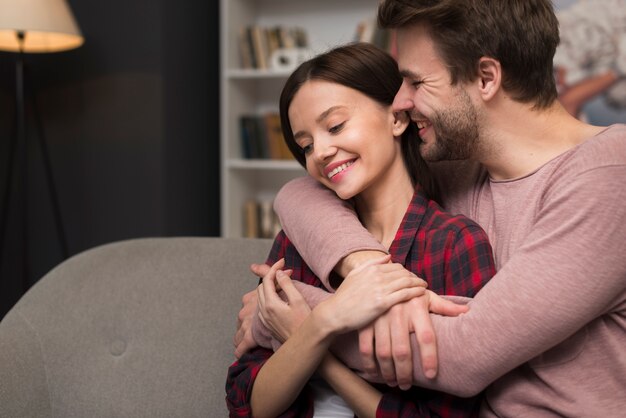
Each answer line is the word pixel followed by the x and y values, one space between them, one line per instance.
pixel 521 34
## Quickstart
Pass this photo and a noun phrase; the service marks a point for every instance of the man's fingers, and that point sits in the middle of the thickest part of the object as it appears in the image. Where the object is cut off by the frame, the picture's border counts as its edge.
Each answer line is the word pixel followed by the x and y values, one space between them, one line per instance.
pixel 401 345
pixel 425 335
pixel 366 347
pixel 446 307
pixel 382 344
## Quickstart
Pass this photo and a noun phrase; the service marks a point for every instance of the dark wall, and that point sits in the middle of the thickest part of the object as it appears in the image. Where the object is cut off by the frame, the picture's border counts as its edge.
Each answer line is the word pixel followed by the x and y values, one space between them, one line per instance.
pixel 131 123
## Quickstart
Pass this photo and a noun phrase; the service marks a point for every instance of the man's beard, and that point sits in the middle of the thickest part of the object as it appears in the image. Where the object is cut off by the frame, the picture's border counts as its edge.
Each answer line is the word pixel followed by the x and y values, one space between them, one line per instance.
pixel 456 130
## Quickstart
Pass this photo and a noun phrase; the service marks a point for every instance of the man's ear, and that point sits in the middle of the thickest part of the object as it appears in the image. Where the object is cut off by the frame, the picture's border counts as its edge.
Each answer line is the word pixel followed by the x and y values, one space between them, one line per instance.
pixel 400 123
pixel 489 77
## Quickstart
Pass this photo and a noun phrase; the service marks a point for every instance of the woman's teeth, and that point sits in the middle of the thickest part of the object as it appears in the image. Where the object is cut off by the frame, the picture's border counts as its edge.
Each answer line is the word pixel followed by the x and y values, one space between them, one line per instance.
pixel 339 169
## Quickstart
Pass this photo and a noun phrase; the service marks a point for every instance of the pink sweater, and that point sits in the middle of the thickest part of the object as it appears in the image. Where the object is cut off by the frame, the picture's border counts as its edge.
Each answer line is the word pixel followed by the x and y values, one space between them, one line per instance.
pixel 550 328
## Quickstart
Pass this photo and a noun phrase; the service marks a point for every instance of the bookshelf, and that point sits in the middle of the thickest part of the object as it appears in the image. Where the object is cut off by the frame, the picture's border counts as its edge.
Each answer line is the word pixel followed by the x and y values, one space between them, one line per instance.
pixel 245 91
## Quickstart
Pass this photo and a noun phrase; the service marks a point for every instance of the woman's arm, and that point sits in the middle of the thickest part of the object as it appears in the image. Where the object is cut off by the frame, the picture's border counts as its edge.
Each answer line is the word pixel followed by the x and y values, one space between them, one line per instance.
pixel 362 397
pixel 307 343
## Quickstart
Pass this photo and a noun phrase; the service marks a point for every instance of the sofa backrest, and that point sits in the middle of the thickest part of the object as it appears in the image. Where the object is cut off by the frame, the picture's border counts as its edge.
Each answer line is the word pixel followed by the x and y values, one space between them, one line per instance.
pixel 139 328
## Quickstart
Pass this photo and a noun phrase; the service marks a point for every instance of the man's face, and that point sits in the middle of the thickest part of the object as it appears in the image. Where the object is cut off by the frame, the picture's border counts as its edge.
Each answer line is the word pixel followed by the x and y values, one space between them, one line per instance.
pixel 445 115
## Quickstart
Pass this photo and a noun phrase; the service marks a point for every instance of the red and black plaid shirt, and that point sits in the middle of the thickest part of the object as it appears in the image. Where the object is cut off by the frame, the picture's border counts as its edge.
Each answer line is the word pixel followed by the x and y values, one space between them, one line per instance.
pixel 452 253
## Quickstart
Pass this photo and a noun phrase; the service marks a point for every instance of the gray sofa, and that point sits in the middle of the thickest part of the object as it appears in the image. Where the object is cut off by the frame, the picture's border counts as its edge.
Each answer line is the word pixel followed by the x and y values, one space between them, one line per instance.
pixel 139 328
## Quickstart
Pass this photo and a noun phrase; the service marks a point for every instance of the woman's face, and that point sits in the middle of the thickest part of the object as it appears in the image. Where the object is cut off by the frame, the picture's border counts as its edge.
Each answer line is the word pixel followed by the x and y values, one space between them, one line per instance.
pixel 350 141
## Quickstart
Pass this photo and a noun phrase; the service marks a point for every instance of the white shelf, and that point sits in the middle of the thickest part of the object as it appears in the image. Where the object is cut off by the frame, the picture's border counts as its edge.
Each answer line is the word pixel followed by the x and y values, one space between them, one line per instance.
pixel 328 23
pixel 251 74
pixel 242 164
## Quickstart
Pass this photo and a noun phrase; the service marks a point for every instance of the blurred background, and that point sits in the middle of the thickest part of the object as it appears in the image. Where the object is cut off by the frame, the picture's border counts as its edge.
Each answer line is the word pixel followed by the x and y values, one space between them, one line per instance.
pixel 592 57
pixel 131 121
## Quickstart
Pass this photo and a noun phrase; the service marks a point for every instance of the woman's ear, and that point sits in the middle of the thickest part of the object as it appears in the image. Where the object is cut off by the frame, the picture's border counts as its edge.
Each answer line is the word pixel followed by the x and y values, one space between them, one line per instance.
pixel 400 122
pixel 489 77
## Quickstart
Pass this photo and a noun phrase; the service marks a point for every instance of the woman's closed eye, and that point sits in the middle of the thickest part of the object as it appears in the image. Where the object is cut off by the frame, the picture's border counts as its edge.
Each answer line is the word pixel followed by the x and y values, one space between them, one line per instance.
pixel 307 149
pixel 336 128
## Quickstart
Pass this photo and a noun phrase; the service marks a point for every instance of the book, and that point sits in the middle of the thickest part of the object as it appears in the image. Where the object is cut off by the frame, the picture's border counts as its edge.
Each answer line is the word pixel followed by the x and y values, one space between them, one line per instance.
pixel 259 218
pixel 251 144
pixel 274 135
pixel 266 218
pixel 245 53
pixel 259 43
pixel 251 219
pixel 261 137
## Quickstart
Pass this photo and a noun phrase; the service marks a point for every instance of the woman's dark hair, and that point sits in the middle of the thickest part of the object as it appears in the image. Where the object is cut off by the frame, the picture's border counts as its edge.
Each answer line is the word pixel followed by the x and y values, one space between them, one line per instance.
pixel 371 71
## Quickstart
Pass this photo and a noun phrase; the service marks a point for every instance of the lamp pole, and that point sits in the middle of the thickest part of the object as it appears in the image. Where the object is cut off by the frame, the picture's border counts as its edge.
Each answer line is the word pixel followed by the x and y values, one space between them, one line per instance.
pixel 23 143
pixel 19 152
pixel 45 26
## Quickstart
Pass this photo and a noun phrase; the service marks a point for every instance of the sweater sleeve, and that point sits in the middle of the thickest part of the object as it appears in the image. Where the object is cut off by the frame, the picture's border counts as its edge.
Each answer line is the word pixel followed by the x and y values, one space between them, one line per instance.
pixel 314 227
pixel 568 272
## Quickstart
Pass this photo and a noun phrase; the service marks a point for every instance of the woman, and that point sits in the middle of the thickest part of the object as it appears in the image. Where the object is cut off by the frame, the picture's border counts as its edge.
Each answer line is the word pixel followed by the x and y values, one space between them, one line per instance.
pixel 337 120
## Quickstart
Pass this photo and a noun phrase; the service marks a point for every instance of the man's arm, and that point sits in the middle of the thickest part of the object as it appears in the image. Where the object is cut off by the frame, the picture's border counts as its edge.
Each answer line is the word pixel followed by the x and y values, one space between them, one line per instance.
pixel 330 218
pixel 340 233
pixel 568 271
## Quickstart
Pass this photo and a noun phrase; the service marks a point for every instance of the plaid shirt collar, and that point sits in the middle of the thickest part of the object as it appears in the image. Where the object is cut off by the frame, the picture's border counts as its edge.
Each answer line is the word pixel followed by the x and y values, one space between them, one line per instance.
pixel 407 231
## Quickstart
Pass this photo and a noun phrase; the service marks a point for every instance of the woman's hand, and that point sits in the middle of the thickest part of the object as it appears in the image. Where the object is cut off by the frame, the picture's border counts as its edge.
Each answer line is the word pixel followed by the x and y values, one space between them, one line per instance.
pixel 359 300
pixel 281 316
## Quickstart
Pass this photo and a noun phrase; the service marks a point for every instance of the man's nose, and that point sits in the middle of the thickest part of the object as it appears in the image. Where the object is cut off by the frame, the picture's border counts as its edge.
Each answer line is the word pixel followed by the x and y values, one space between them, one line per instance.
pixel 402 102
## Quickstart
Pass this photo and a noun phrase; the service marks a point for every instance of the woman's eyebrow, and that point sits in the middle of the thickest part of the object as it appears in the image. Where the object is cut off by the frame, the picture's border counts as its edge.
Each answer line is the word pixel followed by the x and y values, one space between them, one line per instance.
pixel 327 112
pixel 319 119
pixel 298 135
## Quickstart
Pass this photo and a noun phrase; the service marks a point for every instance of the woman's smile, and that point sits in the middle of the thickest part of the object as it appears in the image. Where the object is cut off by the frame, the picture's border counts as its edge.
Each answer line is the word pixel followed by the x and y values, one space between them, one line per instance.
pixel 333 170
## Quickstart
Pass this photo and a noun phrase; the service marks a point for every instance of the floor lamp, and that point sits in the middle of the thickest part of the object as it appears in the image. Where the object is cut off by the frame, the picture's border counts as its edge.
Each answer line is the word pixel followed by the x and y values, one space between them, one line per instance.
pixel 32 26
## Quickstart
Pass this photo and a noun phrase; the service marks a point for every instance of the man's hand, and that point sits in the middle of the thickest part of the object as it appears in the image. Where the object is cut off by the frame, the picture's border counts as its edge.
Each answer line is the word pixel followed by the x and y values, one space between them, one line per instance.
pixel 243 339
pixel 385 345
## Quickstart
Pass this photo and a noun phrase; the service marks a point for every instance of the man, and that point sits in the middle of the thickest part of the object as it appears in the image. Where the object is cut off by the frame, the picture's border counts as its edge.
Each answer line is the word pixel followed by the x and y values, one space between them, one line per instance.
pixel 547 333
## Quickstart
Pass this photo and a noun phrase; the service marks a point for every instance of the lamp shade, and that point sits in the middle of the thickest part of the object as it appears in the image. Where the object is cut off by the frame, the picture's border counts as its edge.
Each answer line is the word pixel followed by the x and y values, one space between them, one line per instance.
pixel 48 25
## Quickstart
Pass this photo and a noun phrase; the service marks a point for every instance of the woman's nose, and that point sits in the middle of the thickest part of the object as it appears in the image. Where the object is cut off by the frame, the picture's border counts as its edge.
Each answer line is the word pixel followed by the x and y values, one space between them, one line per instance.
pixel 323 149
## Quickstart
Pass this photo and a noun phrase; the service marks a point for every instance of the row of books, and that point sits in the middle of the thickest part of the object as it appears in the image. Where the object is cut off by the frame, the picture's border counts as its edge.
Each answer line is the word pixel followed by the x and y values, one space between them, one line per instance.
pixel 260 220
pixel 369 31
pixel 258 45
pixel 262 137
